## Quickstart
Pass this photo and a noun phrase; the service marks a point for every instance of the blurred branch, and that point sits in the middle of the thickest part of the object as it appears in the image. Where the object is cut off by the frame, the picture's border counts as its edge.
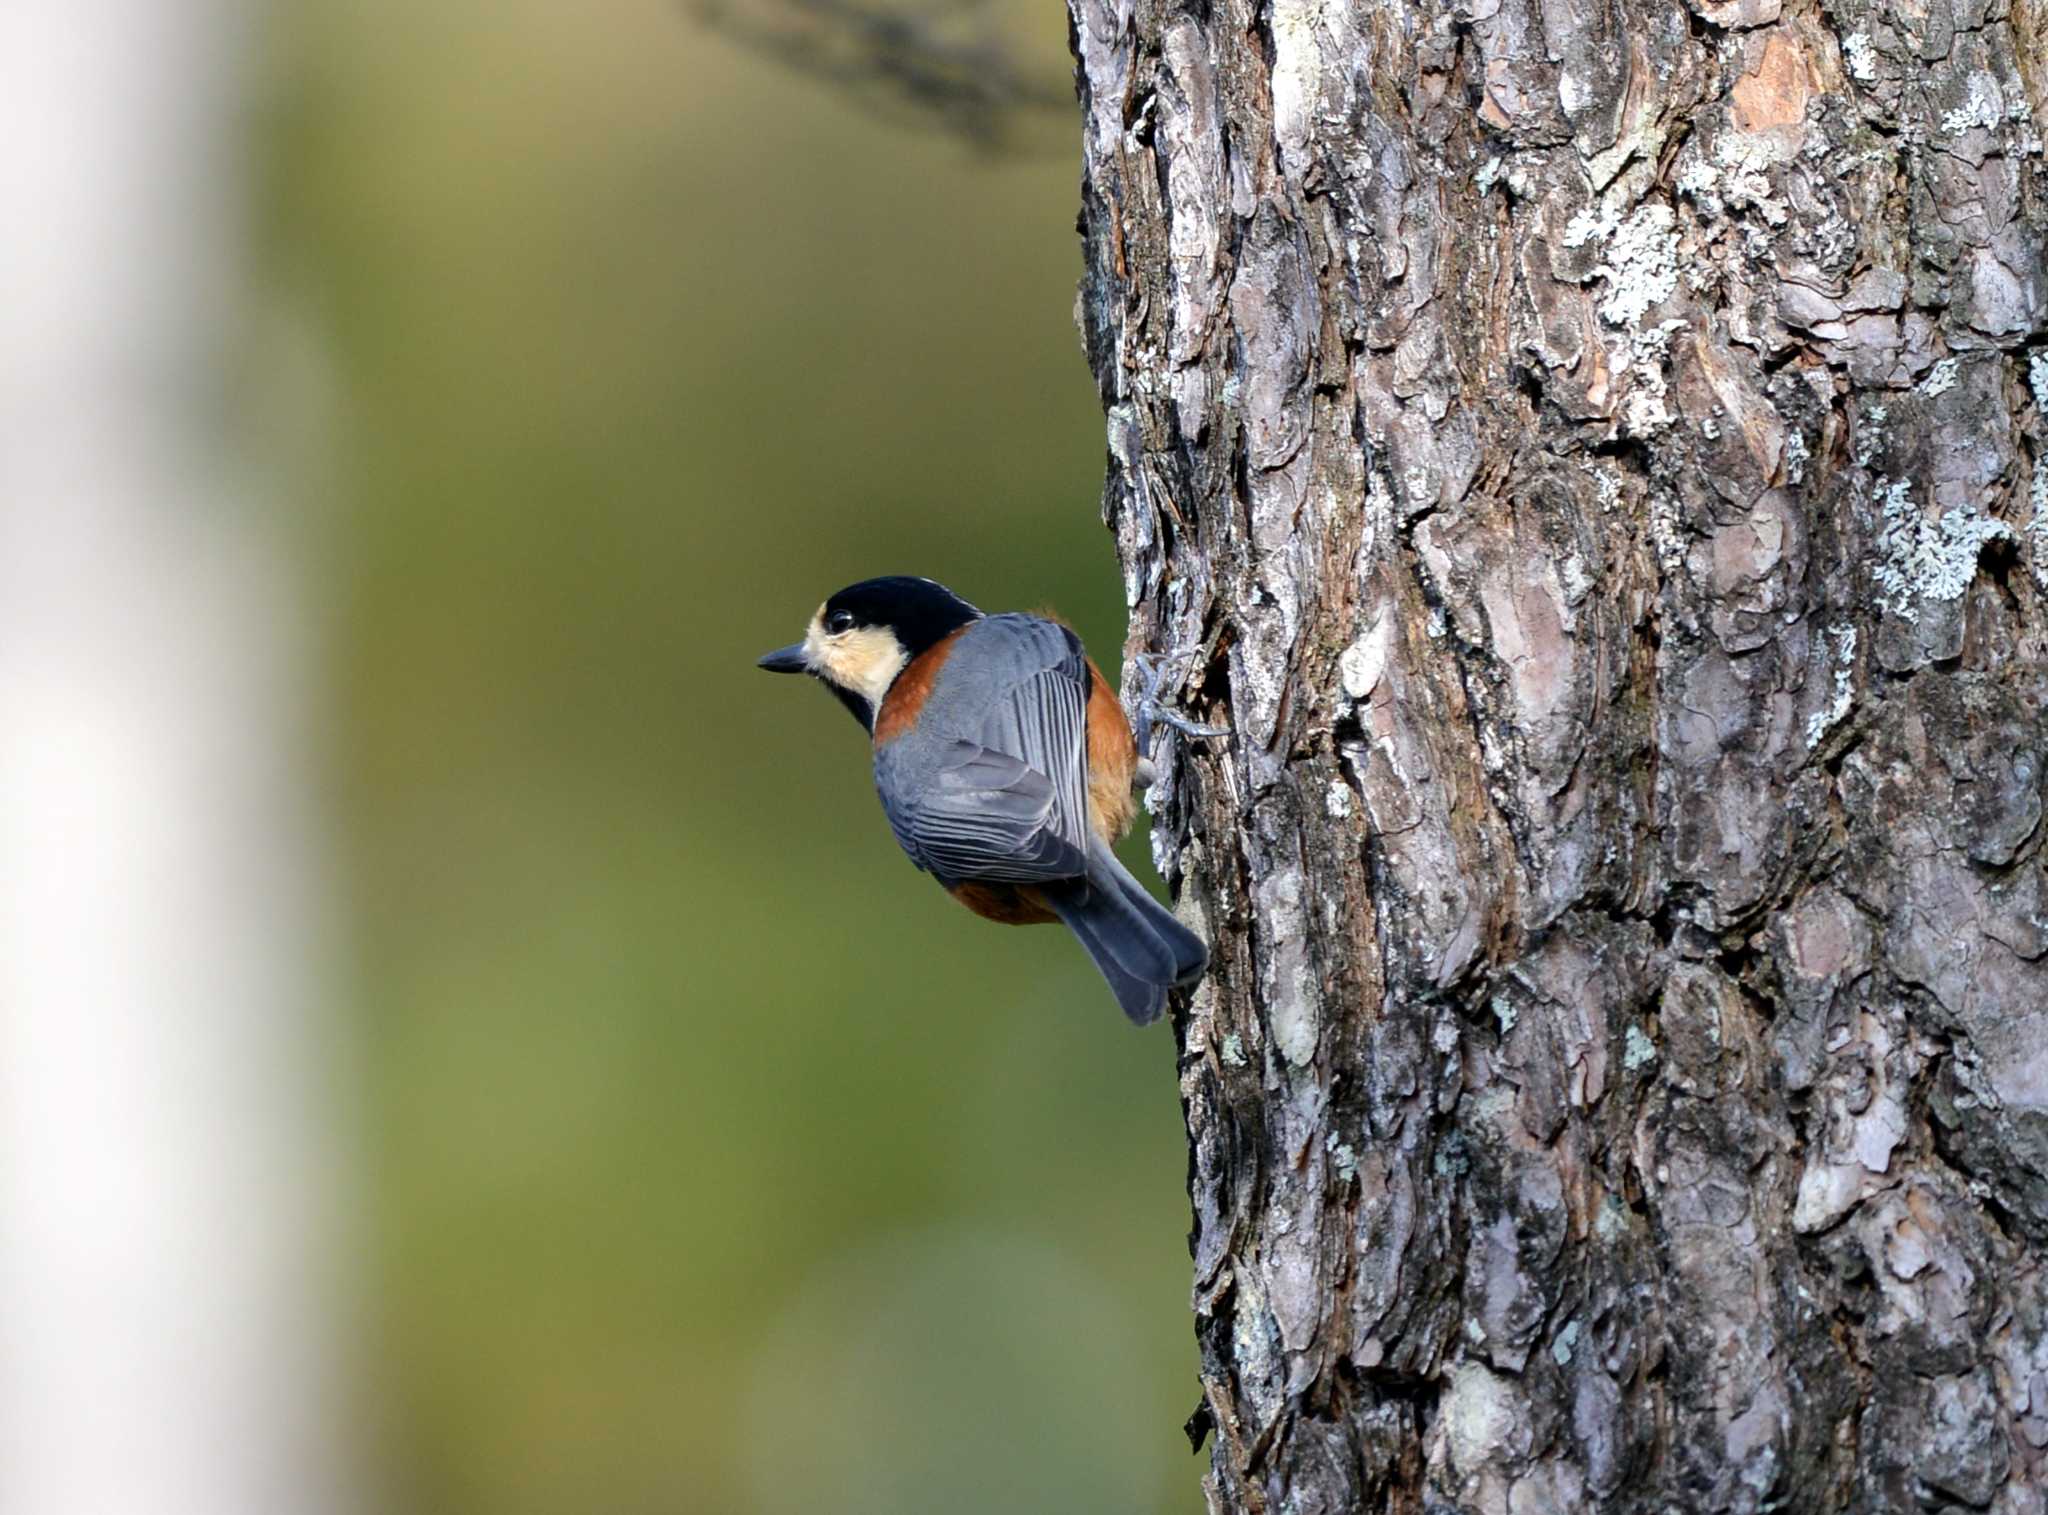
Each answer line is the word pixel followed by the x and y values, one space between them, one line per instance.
pixel 946 65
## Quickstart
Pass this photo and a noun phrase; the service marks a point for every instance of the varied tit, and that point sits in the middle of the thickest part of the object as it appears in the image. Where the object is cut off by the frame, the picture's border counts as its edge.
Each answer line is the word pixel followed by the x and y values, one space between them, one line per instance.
pixel 1006 768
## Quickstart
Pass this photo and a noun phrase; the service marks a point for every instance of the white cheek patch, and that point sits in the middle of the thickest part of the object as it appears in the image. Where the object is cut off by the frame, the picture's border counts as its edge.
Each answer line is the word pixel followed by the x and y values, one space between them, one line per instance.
pixel 864 661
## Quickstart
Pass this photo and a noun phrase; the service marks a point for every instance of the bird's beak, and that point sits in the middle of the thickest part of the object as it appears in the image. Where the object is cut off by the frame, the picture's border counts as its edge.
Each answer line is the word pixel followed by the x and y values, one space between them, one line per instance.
pixel 788 659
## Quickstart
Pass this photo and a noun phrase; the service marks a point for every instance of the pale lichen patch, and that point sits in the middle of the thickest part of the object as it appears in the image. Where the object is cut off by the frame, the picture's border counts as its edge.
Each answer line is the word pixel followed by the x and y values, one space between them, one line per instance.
pixel 1982 108
pixel 1698 179
pixel 1744 161
pixel 1567 1340
pixel 1941 378
pixel 1642 265
pixel 1795 456
pixel 1643 355
pixel 2037 491
pixel 1667 531
pixel 1860 56
pixel 1344 1155
pixel 1821 722
pixel 1923 559
pixel 1870 435
pixel 1592 224
pixel 1638 1050
pixel 2037 525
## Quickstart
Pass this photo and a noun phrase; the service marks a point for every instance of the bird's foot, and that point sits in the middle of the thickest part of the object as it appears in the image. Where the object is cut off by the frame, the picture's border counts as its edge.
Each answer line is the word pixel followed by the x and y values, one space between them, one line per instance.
pixel 1154 669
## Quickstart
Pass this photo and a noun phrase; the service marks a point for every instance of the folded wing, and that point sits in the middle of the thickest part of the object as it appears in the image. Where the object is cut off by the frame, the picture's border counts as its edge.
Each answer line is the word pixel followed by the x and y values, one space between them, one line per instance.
pixel 996 789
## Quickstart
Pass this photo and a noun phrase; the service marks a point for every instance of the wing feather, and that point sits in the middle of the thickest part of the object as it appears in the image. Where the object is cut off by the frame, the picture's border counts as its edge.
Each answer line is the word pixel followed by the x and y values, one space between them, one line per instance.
pixel 1005 799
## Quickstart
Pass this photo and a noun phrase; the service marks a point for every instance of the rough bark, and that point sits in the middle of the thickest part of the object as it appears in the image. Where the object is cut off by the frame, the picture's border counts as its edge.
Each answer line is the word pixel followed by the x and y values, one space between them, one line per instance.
pixel 1590 456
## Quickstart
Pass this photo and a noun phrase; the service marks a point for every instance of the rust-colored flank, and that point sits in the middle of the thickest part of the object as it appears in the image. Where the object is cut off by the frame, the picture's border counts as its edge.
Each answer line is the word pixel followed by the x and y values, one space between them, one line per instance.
pixel 1006 904
pixel 1112 757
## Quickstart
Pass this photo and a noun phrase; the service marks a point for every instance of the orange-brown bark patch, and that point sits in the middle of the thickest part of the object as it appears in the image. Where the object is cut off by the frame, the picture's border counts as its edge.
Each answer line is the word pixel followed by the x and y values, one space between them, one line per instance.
pixel 1776 94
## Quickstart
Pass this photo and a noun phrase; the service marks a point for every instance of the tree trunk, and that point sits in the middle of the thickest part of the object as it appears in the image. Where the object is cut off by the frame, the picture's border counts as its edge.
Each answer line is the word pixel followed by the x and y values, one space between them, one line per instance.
pixel 1594 461
pixel 166 1157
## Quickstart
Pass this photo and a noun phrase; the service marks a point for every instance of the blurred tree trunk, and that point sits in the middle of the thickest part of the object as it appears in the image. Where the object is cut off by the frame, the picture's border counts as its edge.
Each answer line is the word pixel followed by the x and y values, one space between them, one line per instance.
pixel 1591 457
pixel 166 1163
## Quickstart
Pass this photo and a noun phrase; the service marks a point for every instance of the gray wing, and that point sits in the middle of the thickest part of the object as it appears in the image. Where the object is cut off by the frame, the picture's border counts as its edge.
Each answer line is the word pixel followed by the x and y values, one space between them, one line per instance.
pixel 996 789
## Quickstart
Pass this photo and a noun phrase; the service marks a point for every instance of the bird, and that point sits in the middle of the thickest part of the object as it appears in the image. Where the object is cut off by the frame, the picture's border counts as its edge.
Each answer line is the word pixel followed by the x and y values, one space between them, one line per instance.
pixel 1006 767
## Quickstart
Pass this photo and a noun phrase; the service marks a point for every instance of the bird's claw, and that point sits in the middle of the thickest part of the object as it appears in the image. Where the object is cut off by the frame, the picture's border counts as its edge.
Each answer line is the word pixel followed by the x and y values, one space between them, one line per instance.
pixel 1150 710
pixel 1187 727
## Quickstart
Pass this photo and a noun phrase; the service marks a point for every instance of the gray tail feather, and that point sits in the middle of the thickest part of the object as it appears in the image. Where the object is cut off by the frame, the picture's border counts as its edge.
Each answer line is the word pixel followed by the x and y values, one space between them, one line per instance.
pixel 1140 948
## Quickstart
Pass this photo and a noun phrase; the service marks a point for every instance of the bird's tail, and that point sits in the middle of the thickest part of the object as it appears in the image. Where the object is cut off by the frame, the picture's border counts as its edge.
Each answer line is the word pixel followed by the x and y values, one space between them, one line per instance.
pixel 1140 948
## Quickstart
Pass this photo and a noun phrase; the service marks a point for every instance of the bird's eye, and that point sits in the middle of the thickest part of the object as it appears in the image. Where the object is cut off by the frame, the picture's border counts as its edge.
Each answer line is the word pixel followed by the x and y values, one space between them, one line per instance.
pixel 838 621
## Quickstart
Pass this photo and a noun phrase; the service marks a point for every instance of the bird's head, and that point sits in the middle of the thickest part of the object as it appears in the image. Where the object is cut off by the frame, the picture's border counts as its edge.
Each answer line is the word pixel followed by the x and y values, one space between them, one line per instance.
pixel 866 634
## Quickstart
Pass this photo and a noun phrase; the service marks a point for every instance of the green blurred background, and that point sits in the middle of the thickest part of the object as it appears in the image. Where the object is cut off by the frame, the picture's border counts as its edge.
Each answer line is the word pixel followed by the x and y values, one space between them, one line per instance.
pixel 713 1160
